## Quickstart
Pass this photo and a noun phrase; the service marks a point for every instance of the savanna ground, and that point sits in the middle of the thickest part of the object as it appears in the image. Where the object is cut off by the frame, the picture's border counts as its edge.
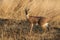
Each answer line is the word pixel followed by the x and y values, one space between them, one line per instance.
pixel 19 30
pixel 13 23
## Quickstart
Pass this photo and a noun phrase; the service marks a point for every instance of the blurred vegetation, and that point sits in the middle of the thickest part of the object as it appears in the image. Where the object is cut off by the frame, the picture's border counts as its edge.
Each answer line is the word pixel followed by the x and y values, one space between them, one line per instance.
pixel 19 30
pixel 13 23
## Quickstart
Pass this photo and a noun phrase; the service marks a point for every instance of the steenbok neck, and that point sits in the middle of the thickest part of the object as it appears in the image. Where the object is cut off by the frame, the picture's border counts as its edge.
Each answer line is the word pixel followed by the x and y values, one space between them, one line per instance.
pixel 27 15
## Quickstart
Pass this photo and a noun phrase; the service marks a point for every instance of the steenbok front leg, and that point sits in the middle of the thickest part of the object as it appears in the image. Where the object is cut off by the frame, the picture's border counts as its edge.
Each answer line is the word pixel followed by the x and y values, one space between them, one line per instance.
pixel 31 25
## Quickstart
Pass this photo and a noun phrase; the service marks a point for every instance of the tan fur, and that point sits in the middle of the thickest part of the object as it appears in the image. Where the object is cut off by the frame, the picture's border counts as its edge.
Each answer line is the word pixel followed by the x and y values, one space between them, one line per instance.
pixel 42 21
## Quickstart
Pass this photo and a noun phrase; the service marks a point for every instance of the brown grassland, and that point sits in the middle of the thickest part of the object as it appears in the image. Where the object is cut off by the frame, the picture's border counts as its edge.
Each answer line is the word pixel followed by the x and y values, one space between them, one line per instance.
pixel 14 24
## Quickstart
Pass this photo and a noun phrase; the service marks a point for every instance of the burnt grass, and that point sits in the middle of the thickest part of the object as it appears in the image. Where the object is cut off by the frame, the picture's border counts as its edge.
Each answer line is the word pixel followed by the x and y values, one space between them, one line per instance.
pixel 19 30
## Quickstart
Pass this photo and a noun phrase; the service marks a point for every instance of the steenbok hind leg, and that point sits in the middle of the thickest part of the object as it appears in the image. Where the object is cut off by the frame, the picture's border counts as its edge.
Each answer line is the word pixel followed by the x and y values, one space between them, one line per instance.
pixel 44 28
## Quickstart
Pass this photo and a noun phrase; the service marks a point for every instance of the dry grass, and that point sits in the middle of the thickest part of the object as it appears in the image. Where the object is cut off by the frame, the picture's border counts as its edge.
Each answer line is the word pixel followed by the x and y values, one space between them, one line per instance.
pixel 19 30
pixel 12 11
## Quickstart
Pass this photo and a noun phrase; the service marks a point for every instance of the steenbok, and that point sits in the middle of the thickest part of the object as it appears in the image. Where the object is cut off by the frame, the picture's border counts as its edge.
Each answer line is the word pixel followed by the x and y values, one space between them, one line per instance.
pixel 38 20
